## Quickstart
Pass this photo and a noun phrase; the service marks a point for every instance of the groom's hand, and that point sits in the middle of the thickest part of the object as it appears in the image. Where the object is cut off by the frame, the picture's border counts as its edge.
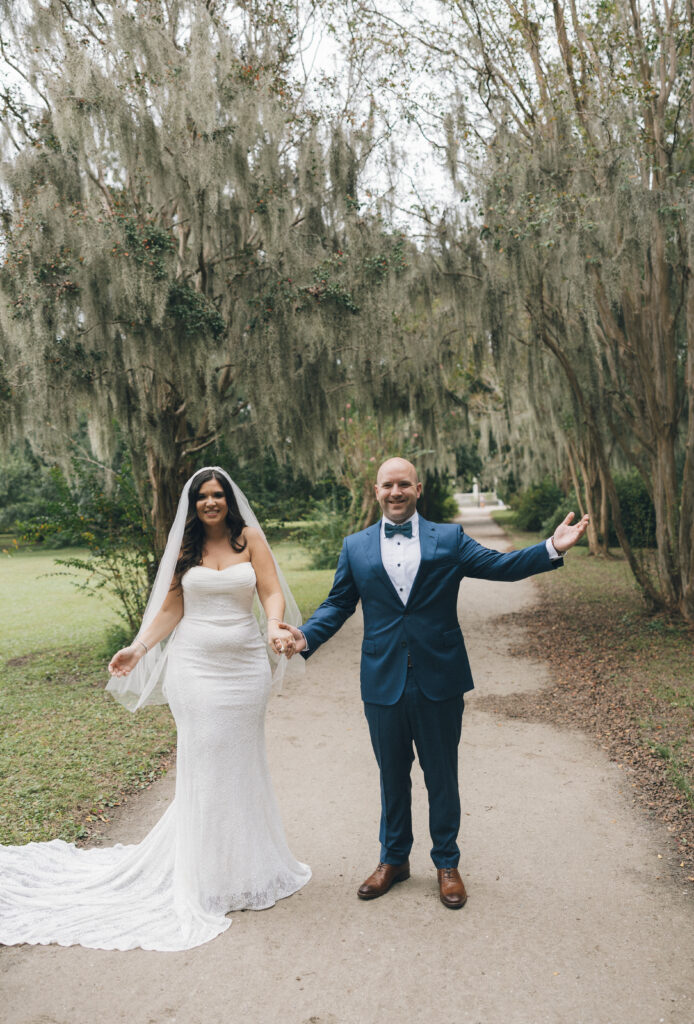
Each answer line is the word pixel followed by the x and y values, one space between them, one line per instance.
pixel 299 639
pixel 569 533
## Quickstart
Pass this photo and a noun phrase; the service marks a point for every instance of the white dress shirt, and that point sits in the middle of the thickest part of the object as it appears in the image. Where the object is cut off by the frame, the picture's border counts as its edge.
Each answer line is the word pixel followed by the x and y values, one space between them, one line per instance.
pixel 401 556
pixel 554 555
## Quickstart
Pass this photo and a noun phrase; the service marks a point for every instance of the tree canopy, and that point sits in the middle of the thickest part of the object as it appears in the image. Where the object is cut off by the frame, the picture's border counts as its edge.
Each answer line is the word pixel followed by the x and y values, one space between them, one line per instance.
pixel 187 253
pixel 569 141
pixel 192 251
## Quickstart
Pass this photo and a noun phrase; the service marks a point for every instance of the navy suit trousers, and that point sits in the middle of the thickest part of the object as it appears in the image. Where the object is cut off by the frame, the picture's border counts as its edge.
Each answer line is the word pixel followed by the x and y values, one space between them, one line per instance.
pixel 433 727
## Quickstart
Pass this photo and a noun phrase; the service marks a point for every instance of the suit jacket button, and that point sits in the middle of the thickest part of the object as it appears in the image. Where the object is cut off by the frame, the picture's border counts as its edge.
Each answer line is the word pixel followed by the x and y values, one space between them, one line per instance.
pixel 403 643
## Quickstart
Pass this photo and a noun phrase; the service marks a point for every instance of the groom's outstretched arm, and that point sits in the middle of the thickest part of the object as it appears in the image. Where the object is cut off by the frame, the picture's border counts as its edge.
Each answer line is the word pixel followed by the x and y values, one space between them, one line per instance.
pixel 336 609
pixel 485 563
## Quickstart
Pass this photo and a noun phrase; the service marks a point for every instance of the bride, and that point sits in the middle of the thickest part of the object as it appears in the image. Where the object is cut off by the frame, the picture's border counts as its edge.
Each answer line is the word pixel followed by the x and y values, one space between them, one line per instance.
pixel 220 846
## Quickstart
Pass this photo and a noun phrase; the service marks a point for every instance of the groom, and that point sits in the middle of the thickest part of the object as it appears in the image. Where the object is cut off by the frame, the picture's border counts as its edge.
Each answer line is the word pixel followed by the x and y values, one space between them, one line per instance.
pixel 414 667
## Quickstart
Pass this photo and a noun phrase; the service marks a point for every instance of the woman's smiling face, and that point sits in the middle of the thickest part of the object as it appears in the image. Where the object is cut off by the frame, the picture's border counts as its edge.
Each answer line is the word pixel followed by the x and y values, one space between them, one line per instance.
pixel 211 503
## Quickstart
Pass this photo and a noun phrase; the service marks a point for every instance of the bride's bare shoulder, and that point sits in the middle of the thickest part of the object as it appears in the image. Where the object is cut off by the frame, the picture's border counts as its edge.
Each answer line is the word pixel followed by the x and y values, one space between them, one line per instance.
pixel 253 536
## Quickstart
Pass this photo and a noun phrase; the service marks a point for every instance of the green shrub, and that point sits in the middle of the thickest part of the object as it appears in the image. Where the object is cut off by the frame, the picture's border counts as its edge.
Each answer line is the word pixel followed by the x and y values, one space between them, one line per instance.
pixel 322 534
pixel 115 636
pixel 468 465
pixel 437 502
pixel 566 505
pixel 26 487
pixel 534 505
pixel 507 488
pixel 638 513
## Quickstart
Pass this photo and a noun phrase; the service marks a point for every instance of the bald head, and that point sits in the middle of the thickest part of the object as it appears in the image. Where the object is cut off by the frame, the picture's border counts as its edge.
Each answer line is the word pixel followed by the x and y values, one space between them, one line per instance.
pixel 397 489
pixel 397 466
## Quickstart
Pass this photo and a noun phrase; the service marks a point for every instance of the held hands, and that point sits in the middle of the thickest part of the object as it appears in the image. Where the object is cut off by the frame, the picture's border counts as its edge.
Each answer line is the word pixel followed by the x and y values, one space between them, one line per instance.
pixel 298 643
pixel 567 533
pixel 280 638
pixel 125 660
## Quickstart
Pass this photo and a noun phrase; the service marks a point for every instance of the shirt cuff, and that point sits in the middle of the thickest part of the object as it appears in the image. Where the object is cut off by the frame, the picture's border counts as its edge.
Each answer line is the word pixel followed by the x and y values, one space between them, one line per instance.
pixel 305 640
pixel 552 551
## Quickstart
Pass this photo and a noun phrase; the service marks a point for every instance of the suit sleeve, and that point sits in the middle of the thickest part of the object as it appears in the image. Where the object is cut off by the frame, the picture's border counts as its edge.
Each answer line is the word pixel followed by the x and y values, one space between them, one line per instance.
pixel 487 564
pixel 335 610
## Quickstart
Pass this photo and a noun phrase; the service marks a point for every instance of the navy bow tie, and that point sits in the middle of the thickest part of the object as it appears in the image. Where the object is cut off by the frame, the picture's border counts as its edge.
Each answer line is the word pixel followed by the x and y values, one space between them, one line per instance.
pixel 404 528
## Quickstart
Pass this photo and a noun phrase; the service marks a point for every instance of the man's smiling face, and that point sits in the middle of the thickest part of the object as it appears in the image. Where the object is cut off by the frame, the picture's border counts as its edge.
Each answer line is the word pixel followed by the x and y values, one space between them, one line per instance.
pixel 397 489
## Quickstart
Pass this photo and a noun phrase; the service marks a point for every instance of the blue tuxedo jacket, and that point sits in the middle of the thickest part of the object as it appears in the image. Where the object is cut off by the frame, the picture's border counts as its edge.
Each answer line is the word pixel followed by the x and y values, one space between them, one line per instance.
pixel 427 626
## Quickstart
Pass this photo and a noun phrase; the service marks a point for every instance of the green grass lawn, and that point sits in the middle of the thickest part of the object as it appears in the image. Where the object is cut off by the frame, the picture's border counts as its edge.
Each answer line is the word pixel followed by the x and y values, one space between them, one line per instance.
pixel 40 610
pixel 69 752
pixel 309 586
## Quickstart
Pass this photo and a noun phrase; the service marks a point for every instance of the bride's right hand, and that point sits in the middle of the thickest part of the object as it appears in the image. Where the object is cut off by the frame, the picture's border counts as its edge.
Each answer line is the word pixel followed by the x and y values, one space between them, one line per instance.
pixel 124 660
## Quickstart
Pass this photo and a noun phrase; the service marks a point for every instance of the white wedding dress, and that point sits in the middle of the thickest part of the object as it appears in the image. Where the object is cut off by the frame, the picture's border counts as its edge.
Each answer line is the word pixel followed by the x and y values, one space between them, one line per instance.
pixel 220 846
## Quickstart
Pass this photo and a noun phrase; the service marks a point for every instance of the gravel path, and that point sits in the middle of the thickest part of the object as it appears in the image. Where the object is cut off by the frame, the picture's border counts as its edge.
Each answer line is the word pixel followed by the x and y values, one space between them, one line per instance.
pixel 573 916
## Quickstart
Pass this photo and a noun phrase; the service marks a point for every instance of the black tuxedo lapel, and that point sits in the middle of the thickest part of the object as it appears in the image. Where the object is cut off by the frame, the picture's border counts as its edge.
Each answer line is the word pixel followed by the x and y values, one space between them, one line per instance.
pixel 428 539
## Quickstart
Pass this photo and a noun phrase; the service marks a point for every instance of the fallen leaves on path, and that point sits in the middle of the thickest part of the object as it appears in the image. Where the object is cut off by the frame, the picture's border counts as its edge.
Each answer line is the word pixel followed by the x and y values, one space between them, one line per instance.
pixel 628 680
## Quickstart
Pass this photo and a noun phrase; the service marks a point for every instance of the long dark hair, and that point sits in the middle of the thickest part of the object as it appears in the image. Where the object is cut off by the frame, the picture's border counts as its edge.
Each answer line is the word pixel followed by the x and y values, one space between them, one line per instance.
pixel 194 534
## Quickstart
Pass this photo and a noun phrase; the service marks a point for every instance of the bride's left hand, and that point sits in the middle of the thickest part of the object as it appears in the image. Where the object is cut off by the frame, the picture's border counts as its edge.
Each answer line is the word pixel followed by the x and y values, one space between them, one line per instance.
pixel 281 640
pixel 125 660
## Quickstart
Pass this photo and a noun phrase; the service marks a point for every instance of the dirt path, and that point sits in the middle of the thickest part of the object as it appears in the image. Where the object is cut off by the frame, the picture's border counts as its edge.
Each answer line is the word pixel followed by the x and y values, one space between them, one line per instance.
pixel 572 917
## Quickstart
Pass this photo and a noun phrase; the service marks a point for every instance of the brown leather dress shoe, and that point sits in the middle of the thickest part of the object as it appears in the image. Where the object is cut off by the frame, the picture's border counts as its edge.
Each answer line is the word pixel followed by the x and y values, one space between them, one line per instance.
pixel 451 889
pixel 382 879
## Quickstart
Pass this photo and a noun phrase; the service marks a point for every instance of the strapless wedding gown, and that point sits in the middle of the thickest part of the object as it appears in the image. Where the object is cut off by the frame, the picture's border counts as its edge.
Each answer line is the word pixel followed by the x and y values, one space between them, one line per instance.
pixel 220 846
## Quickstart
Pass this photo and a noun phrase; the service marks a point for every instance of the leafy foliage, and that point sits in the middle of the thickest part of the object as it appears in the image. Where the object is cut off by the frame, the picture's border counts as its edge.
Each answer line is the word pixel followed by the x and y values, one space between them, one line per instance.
pixel 638 513
pixel 193 313
pixel 559 514
pixel 437 502
pixel 322 534
pixel 26 487
pixel 278 492
pixel 468 464
pixel 534 505
pixel 188 254
pixel 106 518
pixel 569 141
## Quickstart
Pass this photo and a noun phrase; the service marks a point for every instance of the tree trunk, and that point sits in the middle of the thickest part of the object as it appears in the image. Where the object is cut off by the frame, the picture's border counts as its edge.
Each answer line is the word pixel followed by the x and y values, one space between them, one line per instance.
pixel 592 532
pixel 583 507
pixel 666 502
pixel 594 483
pixel 604 515
pixel 686 535
pixel 587 450
pixel 369 508
pixel 167 482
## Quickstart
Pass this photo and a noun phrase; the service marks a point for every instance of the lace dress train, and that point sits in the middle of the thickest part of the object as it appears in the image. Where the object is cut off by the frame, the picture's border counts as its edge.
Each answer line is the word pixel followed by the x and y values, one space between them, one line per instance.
pixel 220 846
